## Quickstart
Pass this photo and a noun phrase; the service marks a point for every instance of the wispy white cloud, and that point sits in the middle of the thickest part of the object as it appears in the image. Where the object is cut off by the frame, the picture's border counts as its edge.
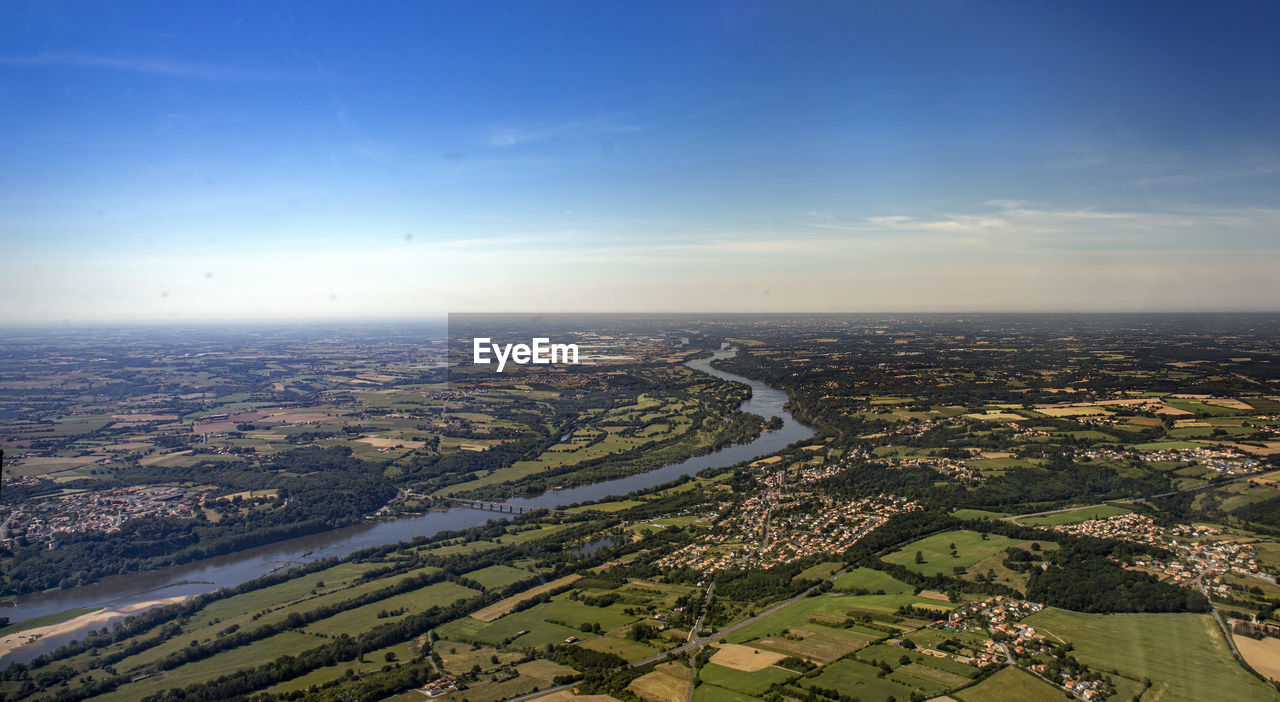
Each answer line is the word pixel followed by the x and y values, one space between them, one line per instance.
pixel 1212 176
pixel 507 135
pixel 1078 162
pixel 150 66
pixel 1016 225
pixel 1008 204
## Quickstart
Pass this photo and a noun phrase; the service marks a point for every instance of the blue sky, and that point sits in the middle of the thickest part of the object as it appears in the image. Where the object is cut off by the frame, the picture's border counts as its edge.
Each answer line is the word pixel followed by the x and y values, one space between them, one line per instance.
pixel 273 160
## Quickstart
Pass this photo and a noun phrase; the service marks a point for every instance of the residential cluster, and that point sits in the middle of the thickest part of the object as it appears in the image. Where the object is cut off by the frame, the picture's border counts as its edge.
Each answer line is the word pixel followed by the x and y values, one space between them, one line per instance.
pixel 440 686
pixel 1202 562
pixel 103 510
pixel 958 471
pixel 776 527
pixel 1013 641
pixel 1221 459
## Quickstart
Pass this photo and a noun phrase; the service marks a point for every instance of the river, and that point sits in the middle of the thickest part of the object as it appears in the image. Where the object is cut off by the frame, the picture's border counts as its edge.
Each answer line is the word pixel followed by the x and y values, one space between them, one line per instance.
pixel 232 569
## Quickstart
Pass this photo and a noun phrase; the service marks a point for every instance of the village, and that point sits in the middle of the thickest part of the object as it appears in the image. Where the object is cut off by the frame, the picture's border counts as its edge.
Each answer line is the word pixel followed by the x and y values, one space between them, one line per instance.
pixel 101 510
pixel 775 527
pixel 1207 553
pixel 1015 642
pixel 1224 460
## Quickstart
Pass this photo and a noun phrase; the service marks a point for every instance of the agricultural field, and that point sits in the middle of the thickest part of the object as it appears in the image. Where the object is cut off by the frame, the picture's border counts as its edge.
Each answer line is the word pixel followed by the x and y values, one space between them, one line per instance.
pixel 669 682
pixel 930 507
pixel 1192 662
pixel 755 682
pixel 942 553
pixel 1076 516
pixel 1009 685
pixel 866 580
pixel 497 577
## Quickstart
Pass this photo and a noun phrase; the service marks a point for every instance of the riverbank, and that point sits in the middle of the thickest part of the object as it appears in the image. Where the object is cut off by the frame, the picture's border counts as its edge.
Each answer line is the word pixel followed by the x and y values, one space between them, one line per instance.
pixel 12 642
pixel 232 569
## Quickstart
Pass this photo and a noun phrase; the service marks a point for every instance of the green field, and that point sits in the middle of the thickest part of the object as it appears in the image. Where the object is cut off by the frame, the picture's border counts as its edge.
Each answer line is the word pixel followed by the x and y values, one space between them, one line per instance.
pixel 535 674
pixel 1009 685
pixel 372 661
pixel 268 649
pixel 891 654
pixel 754 683
pixel 551 622
pixel 707 692
pixel 858 679
pixel 827 608
pixel 1083 514
pixel 977 514
pixel 871 581
pixel 936 551
pixel 360 618
pixel 621 646
pixel 497 577
pixel 1159 445
pixel 817 642
pixel 1183 654
pixel 820 571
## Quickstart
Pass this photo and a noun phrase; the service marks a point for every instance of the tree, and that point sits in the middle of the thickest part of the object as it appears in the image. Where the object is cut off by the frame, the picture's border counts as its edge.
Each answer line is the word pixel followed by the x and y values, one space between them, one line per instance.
pixel 919 557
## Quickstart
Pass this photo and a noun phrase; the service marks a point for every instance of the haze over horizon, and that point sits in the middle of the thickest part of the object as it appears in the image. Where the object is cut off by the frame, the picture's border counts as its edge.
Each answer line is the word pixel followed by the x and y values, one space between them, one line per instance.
pixel 326 160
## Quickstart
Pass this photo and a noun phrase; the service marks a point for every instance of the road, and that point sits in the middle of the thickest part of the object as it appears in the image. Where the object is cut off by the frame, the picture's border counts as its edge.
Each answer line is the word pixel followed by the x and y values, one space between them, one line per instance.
pixel 702 613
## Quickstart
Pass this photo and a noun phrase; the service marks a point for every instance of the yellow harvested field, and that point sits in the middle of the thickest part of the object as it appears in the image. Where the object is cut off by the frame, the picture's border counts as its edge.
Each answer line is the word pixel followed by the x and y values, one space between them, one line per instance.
pixel 128 446
pixel 667 683
pixel 568 696
pixel 295 417
pixel 1262 655
pixel 160 457
pixel 385 442
pixel 997 416
pixel 934 595
pixel 1174 412
pixel 502 607
pixel 745 658
pixel 1229 403
pixel 1131 402
pixel 1073 411
pixel 53 464
pixel 126 418
pixel 767 461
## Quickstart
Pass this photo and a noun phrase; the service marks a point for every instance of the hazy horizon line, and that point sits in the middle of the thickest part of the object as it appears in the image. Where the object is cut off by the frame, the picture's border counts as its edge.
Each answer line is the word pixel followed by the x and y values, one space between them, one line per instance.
pixel 443 317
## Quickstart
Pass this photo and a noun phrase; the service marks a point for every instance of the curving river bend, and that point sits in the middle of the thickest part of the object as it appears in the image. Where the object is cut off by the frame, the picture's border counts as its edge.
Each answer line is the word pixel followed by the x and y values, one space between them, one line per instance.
pixel 232 569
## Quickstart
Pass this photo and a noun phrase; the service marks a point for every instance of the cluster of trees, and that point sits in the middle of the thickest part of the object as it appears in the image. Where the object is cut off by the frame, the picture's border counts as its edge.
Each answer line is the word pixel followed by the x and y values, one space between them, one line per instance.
pixel 1060 481
pixel 1083 579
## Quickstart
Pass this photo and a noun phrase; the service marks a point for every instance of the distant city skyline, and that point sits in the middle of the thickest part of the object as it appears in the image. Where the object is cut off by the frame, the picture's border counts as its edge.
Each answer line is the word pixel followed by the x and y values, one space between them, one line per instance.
pixel 328 160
